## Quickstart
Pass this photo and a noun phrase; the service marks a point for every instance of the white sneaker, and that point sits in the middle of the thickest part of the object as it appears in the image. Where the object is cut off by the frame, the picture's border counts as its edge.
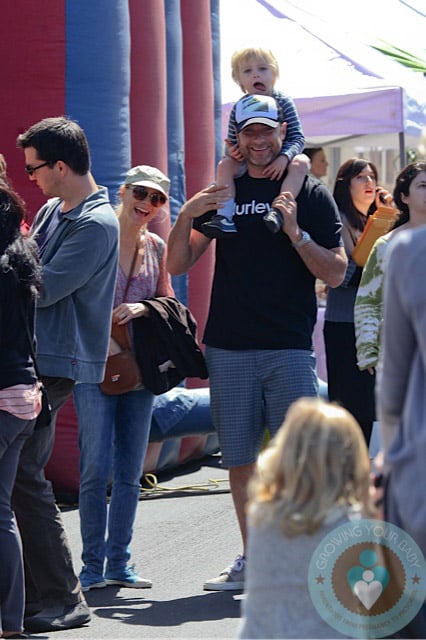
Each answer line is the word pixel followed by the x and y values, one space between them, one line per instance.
pixel 230 579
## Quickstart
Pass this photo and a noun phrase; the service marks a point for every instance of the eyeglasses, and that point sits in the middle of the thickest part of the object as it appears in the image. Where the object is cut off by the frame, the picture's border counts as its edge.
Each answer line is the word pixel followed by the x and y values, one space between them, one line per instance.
pixel 30 170
pixel 156 199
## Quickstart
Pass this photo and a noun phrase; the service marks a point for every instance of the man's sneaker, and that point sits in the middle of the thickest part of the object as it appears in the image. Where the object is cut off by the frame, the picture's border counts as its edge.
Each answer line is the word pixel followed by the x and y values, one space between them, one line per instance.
pixel 218 227
pixel 90 580
pixel 231 579
pixel 273 220
pixel 127 577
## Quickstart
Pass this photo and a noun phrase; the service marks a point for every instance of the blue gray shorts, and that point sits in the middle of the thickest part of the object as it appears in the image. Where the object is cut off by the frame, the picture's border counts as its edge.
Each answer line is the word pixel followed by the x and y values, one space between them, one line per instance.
pixel 251 391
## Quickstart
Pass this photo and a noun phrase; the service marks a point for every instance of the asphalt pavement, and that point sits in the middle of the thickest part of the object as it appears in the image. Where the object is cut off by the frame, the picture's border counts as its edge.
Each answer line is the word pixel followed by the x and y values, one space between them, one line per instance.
pixel 185 533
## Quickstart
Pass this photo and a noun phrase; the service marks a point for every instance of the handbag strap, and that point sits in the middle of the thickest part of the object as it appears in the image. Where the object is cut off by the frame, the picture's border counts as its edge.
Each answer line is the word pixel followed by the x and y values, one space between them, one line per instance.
pixel 129 277
pixel 27 328
pixel 120 333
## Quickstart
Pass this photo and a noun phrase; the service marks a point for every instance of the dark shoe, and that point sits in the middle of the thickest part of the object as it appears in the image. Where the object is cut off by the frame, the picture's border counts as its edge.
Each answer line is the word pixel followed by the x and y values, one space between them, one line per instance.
pixel 58 618
pixel 218 227
pixel 273 220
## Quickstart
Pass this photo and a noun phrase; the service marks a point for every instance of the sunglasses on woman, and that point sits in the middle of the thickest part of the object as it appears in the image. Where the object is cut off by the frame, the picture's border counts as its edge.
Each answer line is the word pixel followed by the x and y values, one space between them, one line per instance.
pixel 156 199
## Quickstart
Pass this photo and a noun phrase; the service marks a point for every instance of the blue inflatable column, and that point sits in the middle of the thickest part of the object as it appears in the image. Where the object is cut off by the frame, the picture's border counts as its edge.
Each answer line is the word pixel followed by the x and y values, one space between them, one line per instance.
pixel 98 81
pixel 175 125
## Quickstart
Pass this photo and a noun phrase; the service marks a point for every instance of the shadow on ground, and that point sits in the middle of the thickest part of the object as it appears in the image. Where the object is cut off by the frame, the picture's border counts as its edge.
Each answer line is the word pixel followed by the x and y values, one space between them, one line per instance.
pixel 215 605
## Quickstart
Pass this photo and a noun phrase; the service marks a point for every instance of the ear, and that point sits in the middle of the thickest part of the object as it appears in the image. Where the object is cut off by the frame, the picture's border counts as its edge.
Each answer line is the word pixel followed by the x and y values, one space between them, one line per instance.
pixel 283 129
pixel 62 166
pixel 404 198
pixel 121 190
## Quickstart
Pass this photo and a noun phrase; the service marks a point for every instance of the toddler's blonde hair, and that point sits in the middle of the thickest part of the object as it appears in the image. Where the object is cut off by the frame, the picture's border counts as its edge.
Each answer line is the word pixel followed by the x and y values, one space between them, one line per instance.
pixel 317 461
pixel 244 55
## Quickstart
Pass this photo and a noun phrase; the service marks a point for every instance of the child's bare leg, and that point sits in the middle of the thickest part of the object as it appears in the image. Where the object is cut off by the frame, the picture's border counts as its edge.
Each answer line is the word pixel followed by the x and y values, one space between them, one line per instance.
pixel 227 170
pixel 296 172
pixel 221 224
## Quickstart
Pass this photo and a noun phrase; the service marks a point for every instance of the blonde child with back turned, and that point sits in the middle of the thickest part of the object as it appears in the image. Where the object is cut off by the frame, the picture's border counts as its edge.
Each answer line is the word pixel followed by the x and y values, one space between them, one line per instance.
pixel 256 71
pixel 312 478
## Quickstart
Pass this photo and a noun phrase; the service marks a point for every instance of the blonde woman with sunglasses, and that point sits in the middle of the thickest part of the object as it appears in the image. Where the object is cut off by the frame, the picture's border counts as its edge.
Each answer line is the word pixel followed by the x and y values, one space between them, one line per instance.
pixel 114 429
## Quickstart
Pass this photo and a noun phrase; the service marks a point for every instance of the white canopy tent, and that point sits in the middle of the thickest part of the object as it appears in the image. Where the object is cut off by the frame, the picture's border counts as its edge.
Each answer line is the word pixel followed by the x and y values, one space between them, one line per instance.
pixel 342 88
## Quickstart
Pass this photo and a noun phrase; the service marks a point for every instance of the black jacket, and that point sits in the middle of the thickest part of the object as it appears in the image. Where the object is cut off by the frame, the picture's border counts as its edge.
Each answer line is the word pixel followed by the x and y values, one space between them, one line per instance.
pixel 16 364
pixel 168 333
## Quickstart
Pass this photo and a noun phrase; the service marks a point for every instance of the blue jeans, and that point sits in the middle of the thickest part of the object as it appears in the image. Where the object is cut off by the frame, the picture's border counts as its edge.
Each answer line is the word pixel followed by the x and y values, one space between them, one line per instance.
pixel 50 580
pixel 113 438
pixel 13 433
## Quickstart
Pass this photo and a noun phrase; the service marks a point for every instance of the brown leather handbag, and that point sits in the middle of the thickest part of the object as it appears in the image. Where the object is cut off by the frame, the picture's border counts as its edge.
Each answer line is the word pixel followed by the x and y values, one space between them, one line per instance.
pixel 122 373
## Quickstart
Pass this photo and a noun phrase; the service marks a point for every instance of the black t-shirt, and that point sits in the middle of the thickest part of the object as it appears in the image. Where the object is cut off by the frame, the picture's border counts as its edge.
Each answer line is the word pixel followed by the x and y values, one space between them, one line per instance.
pixel 263 295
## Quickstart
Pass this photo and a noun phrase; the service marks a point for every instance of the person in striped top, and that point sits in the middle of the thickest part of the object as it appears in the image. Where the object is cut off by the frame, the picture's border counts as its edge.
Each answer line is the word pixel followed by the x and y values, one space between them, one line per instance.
pixel 256 71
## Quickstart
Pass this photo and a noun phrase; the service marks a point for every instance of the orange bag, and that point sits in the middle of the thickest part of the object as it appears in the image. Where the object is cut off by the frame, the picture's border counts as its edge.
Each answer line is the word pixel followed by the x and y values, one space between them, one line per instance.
pixel 379 223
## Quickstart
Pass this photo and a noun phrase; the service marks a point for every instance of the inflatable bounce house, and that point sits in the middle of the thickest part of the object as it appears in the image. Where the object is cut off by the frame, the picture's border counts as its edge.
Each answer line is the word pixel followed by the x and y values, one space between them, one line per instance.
pixel 142 79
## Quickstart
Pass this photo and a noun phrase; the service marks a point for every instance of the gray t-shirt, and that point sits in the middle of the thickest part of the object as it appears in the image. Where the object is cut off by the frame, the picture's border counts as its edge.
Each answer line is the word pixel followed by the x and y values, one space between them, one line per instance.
pixel 277 602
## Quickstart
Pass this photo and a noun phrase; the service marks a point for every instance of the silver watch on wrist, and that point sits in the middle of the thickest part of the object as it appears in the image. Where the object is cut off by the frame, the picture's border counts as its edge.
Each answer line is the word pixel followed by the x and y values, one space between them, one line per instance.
pixel 305 238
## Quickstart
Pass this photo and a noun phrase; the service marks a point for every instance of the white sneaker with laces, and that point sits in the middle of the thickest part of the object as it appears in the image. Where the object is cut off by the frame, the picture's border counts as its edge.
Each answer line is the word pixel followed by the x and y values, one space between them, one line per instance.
pixel 230 579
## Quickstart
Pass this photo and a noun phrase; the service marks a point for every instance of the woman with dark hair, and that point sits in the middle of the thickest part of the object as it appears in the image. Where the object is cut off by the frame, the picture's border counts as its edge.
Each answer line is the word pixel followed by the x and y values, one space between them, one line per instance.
pixel 20 400
pixel 357 196
pixel 407 195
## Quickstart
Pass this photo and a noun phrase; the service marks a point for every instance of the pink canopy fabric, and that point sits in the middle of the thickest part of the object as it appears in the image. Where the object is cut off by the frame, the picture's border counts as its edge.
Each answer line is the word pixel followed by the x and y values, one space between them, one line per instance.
pixel 342 87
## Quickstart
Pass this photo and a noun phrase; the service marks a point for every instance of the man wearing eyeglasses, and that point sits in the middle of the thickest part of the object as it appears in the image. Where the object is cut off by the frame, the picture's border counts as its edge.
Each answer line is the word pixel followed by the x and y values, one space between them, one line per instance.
pixel 77 234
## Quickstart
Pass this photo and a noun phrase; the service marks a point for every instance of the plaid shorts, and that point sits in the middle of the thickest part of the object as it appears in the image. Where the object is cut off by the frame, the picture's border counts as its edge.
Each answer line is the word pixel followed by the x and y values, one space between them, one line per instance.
pixel 251 391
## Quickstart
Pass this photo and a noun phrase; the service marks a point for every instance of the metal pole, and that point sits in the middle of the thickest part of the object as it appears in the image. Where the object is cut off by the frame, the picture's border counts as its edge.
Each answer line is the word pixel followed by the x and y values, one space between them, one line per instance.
pixel 402 160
